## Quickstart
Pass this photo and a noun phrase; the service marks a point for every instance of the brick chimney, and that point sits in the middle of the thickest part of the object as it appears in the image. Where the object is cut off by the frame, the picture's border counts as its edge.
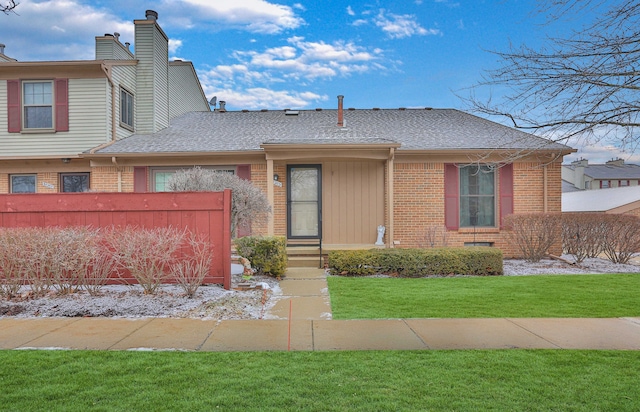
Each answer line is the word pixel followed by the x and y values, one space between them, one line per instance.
pixel 340 111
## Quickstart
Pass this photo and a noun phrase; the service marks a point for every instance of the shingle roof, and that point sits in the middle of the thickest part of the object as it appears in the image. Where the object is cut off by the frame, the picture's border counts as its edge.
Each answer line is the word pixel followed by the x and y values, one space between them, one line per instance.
pixel 414 129
pixel 626 171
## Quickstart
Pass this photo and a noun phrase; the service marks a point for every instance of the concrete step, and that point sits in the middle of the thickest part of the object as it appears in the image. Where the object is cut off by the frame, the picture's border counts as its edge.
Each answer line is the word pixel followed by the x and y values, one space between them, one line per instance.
pixel 298 261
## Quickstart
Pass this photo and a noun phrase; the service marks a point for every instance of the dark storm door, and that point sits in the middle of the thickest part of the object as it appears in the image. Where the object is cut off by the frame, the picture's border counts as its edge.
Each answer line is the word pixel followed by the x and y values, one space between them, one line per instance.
pixel 304 202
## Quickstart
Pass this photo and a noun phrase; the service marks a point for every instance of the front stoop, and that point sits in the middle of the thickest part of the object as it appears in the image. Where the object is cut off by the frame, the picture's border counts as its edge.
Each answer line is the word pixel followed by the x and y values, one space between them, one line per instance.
pixel 304 257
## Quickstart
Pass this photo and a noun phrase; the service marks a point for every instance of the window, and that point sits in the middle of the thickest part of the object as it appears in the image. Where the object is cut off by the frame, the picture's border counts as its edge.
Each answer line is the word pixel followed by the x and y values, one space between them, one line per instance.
pixel 126 109
pixel 477 196
pixel 160 176
pixel 74 182
pixel 605 184
pixel 23 183
pixel 37 98
pixel 622 183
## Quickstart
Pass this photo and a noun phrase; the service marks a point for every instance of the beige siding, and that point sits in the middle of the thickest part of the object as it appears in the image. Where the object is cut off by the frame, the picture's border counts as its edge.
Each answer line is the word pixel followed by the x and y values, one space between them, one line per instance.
pixel 353 201
pixel 124 76
pixel 152 78
pixel 107 48
pixel 87 123
pixel 185 92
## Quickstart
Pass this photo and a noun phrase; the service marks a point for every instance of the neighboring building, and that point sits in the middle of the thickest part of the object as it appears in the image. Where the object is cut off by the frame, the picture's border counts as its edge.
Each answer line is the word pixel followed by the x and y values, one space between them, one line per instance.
pixel 337 175
pixel 615 173
pixel 51 111
pixel 614 200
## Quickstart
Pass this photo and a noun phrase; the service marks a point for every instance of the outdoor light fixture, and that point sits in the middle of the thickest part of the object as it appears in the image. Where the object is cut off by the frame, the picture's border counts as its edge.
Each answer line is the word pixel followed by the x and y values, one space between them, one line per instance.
pixel 276 177
pixel 66 160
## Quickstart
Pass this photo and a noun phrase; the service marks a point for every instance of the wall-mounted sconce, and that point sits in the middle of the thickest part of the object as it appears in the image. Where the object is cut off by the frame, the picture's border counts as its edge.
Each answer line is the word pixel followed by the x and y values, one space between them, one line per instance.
pixel 276 177
pixel 66 160
pixel 276 182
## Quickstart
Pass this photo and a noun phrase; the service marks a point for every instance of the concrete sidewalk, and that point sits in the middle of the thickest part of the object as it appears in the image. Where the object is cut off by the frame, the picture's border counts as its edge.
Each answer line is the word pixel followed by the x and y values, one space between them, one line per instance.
pixel 301 321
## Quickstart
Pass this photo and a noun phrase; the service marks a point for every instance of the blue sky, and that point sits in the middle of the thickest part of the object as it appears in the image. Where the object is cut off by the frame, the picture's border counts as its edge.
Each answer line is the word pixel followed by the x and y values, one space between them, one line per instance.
pixel 275 54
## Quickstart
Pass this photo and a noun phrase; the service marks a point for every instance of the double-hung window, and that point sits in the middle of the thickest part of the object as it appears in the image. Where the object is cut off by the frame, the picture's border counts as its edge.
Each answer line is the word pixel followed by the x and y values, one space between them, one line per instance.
pixel 477 196
pixel 126 109
pixel 37 104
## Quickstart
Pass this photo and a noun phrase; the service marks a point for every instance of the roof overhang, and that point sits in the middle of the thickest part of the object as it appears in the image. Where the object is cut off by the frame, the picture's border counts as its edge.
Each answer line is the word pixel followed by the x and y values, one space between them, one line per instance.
pixel 287 151
pixel 70 69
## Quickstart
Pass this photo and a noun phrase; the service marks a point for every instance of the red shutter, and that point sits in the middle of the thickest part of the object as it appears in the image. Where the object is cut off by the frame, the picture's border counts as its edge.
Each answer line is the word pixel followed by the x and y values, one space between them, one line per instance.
pixel 451 198
pixel 243 172
pixel 13 106
pixel 506 191
pixel 139 179
pixel 62 104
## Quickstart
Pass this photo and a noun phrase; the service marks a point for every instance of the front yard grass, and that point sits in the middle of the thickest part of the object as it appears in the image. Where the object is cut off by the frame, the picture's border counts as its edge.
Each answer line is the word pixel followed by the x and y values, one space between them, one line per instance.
pixel 505 380
pixel 540 296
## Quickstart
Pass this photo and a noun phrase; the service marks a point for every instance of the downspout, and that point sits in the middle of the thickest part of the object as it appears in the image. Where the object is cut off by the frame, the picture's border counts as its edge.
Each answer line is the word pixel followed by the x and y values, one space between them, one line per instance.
pixel 119 169
pixel 107 71
pixel 390 236
pixel 545 189
pixel 270 196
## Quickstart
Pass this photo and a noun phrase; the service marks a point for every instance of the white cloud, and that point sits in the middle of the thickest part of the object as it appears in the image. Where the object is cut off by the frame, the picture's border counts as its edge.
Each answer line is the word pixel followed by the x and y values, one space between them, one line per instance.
pixel 300 61
pixel 399 26
pixel 258 16
pixel 263 98
pixel 350 11
pixel 174 45
pixel 59 30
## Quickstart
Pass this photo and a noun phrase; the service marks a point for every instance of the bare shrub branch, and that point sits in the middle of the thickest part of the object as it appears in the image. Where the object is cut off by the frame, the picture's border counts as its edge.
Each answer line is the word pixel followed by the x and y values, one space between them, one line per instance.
pixel 436 236
pixel 621 240
pixel 533 234
pixel 12 274
pixel 582 234
pixel 190 269
pixel 146 253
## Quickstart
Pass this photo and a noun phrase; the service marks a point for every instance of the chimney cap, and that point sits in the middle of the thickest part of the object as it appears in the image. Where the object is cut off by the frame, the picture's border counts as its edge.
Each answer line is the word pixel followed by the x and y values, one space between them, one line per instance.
pixel 151 15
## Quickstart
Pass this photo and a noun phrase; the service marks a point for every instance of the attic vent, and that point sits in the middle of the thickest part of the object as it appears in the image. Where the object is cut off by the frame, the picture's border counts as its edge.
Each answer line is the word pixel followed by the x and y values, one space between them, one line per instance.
pixel 291 112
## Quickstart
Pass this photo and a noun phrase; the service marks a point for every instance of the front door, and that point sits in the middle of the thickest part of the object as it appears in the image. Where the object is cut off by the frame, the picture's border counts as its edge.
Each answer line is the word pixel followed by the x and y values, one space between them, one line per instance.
pixel 304 204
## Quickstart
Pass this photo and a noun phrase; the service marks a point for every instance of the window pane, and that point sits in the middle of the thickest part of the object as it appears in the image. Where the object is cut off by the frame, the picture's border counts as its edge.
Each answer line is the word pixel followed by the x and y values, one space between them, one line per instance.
pixel 161 179
pixel 75 183
pixel 477 196
pixel 38 93
pixel 23 184
pixel 38 117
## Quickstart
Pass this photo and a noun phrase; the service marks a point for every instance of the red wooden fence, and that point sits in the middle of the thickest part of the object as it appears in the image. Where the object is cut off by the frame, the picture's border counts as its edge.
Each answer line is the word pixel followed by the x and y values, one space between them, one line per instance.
pixel 204 213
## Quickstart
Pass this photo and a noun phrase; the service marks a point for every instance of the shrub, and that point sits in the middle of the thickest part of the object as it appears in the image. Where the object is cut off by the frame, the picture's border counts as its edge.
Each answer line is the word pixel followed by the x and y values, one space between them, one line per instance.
pixel 248 203
pixel 621 239
pixel 146 253
pixel 582 234
pixel 481 261
pixel 267 254
pixel 12 274
pixel 436 236
pixel 534 234
pixel 193 265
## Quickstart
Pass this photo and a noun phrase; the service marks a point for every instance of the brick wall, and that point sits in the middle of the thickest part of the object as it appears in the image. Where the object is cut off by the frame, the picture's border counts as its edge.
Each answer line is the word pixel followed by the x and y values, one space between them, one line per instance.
pixel 105 178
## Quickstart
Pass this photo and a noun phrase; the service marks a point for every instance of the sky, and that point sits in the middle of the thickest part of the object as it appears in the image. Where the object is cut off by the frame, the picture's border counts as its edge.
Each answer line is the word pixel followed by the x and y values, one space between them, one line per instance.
pixel 302 54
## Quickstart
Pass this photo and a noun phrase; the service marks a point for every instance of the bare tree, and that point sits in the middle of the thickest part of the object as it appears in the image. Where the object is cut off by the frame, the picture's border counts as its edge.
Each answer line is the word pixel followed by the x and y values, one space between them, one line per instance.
pixel 8 7
pixel 584 86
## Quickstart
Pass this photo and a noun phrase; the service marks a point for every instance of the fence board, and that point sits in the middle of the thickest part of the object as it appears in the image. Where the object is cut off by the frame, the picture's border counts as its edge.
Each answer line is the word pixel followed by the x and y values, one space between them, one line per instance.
pixel 205 213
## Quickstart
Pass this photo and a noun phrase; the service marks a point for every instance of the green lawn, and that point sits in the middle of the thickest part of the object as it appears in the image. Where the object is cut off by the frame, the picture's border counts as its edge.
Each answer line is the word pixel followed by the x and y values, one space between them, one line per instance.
pixel 506 380
pixel 578 296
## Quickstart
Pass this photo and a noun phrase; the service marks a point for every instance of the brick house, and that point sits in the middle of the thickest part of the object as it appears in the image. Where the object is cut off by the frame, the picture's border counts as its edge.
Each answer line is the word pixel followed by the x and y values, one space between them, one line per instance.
pixel 580 175
pixel 126 121
pixel 51 111
pixel 337 175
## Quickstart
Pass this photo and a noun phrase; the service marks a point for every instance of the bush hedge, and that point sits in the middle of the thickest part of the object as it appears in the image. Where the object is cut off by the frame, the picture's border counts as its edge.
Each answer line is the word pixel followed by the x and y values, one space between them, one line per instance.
pixel 479 261
pixel 267 254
